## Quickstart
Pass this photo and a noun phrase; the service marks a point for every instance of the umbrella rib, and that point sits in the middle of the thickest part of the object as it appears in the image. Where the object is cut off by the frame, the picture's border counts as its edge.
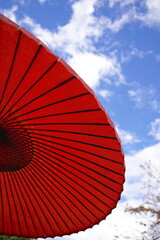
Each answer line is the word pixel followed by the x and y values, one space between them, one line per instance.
pixel 22 131
pixel 83 166
pixel 2 205
pixel 24 75
pixel 81 179
pixel 39 187
pixel 48 105
pixel 8 203
pixel 35 189
pixel 20 204
pixel 48 69
pixel 41 95
pixel 61 123
pixel 81 150
pixel 71 187
pixel 11 67
pixel 60 114
pixel 84 159
pixel 38 167
pixel 71 140
pixel 84 174
pixel 76 133
pixel 31 193
pixel 24 200
pixel 9 183
pixel 70 192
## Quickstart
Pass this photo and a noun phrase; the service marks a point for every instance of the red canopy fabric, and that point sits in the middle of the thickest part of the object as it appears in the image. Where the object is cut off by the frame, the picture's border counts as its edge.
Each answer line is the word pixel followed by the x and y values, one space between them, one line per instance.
pixel 61 162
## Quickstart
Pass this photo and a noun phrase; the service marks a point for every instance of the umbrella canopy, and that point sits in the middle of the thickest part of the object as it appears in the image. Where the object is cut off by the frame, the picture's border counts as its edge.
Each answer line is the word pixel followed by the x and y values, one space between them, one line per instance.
pixel 61 162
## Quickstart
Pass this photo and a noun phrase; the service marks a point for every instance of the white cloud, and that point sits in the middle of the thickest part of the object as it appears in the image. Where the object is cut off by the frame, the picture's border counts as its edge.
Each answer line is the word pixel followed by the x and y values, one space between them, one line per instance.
pixel 118 223
pixel 92 67
pixel 144 96
pixel 126 136
pixel 42 1
pixel 155 105
pixel 134 52
pixel 136 96
pixel 75 41
pixel 155 129
pixel 118 24
pixel 148 12
pixel 77 34
pixel 122 3
pixel 10 13
pixel 152 17
pixel 133 161
pixel 105 93
pixel 158 57
pixel 139 53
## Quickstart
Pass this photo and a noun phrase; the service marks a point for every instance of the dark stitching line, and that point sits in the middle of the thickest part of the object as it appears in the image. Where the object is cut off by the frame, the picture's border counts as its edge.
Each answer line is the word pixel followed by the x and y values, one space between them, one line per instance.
pixel 16 210
pixel 81 150
pixel 39 187
pixel 13 60
pixel 71 140
pixel 24 75
pixel 15 185
pixel 1 200
pixel 9 205
pixel 52 65
pixel 59 85
pixel 101 183
pixel 48 105
pixel 72 179
pixel 31 193
pixel 84 159
pixel 59 114
pixel 28 176
pixel 36 166
pixel 40 157
pixel 58 123
pixel 108 159
pixel 72 186
pixel 22 131
pixel 76 133
pixel 110 179
pixel 22 185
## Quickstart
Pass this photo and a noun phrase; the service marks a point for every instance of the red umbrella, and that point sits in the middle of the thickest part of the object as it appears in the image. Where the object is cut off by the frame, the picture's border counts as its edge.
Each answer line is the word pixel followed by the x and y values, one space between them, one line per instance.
pixel 62 166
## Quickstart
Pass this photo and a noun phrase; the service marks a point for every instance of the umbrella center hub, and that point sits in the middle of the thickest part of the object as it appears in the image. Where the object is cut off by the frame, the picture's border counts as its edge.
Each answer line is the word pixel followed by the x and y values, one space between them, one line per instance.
pixel 15 149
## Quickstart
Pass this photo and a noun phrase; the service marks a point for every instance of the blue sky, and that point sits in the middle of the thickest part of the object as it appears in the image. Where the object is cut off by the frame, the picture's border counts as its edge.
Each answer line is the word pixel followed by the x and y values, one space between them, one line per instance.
pixel 114 46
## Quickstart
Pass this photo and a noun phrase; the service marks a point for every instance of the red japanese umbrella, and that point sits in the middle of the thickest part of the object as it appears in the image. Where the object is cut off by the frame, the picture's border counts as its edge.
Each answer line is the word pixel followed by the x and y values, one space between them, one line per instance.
pixel 61 162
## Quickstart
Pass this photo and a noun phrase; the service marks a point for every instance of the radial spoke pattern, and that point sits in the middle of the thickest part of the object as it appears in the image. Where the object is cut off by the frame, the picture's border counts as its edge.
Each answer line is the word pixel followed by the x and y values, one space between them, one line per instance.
pixel 62 166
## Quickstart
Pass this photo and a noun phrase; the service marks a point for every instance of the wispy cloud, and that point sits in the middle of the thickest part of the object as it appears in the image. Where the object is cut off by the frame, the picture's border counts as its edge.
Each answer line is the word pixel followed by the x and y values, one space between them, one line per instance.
pixel 144 96
pixel 105 93
pixel 119 23
pixel 147 12
pixel 42 1
pixel 127 137
pixel 75 42
pixel 10 13
pixel 151 17
pixel 121 3
pixel 155 129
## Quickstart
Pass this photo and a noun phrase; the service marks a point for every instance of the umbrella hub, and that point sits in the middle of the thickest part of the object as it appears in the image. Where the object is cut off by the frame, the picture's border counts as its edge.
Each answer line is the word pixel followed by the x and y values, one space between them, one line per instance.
pixel 16 149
